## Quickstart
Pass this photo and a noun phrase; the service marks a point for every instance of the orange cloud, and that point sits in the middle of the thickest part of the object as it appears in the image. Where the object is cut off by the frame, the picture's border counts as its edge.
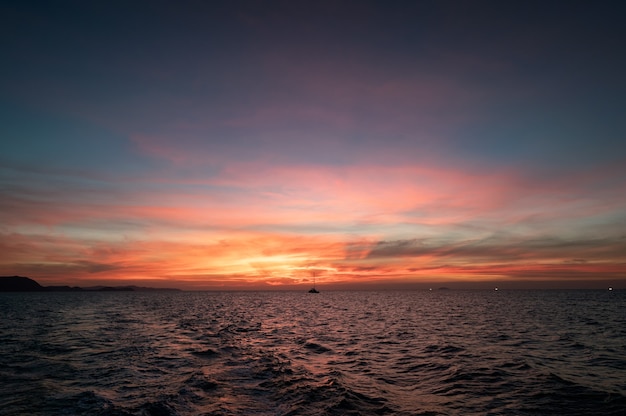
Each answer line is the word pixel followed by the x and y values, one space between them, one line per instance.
pixel 253 224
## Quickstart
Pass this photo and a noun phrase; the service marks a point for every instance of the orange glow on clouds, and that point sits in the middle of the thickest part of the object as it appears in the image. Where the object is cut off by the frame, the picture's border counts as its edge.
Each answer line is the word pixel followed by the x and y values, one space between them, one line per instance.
pixel 278 226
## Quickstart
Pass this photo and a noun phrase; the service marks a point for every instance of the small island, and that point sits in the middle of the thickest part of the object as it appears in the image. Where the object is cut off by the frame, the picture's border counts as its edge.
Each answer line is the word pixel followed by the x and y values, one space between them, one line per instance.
pixel 19 284
pixel 26 284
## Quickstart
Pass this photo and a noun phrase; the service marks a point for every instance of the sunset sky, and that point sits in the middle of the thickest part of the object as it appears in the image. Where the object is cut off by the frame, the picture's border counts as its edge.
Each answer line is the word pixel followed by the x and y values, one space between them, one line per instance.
pixel 253 144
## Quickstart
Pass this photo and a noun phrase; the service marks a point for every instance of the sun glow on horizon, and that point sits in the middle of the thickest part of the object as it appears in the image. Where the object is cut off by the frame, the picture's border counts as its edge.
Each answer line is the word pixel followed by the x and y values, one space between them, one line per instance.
pixel 450 226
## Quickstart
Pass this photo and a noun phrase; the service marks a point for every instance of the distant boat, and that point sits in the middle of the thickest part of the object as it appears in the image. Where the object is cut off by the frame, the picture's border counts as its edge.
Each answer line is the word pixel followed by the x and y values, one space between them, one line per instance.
pixel 313 290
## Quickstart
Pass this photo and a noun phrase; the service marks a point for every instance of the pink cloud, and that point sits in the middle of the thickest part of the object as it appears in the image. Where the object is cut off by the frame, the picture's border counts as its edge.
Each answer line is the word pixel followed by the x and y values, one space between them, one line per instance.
pixel 252 222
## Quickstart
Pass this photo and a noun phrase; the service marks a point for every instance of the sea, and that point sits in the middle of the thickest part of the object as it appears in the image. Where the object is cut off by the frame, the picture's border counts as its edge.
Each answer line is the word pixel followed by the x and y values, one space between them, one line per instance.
pixel 441 352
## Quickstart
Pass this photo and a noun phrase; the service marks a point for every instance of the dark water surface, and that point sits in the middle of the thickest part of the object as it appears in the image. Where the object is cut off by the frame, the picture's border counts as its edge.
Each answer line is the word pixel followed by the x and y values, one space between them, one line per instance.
pixel 334 353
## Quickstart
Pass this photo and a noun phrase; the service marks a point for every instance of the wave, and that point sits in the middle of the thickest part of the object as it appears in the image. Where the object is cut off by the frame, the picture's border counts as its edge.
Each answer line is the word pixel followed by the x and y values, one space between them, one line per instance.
pixel 282 354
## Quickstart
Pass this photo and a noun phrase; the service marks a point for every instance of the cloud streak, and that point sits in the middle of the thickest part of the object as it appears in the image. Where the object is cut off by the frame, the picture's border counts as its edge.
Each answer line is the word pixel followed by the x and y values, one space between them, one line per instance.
pixel 400 222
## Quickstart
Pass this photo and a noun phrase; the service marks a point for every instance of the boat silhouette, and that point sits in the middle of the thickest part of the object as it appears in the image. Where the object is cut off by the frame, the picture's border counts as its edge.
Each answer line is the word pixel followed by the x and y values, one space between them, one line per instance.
pixel 313 289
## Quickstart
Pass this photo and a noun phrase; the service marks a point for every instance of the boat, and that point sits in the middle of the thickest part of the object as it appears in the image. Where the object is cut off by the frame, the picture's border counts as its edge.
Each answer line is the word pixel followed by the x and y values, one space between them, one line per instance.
pixel 313 289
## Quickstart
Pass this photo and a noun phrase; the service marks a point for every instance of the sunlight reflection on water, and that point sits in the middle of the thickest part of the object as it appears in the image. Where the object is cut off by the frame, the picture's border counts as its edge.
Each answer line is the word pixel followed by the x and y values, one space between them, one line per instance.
pixel 187 353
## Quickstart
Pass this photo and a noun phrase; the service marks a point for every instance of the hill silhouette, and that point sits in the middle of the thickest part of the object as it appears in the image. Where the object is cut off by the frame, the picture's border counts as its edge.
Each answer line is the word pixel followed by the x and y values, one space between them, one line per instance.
pixel 19 284
pixel 26 284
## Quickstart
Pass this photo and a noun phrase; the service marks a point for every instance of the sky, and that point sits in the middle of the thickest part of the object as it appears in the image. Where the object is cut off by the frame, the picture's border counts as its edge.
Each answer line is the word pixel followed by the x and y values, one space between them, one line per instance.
pixel 258 144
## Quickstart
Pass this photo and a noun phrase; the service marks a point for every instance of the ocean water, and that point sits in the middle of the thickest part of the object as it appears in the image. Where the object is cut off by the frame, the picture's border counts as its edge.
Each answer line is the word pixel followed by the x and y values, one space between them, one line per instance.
pixel 333 353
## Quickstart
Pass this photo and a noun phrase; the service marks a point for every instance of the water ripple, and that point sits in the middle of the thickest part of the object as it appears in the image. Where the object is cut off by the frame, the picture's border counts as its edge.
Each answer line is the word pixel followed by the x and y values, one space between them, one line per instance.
pixel 341 353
